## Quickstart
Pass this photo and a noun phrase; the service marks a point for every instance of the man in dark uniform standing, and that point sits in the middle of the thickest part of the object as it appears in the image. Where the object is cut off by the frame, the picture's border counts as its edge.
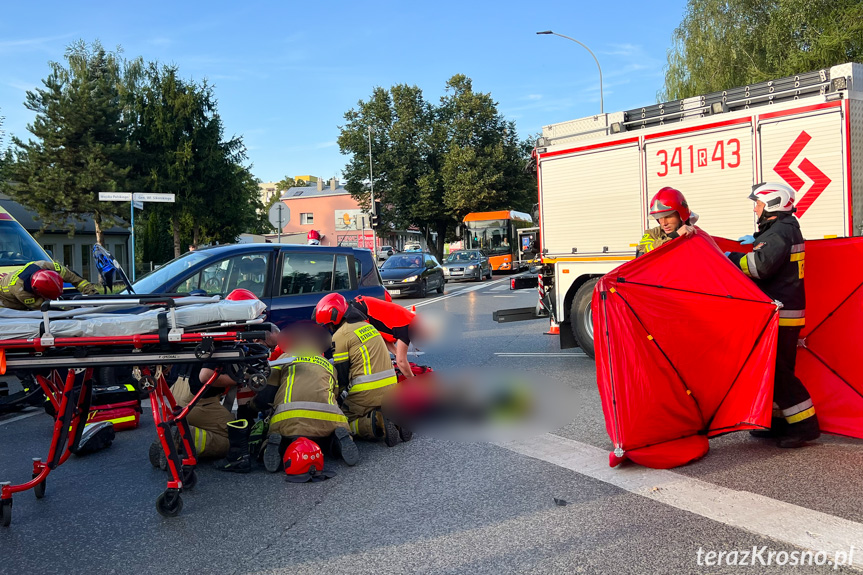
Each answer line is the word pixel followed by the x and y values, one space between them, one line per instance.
pixel 776 265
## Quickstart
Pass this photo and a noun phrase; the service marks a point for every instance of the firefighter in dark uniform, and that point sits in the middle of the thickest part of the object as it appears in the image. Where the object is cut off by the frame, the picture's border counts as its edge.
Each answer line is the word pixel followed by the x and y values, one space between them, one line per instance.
pixel 364 369
pixel 675 219
pixel 38 281
pixel 776 265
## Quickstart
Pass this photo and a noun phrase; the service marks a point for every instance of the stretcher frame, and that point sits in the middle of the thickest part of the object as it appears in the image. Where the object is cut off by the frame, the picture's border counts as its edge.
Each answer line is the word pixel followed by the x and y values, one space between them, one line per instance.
pixel 47 357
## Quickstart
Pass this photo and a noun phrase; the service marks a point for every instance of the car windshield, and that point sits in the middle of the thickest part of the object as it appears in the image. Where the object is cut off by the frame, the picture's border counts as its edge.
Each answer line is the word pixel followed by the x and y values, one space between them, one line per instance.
pixel 403 262
pixel 17 247
pixel 172 269
pixel 463 257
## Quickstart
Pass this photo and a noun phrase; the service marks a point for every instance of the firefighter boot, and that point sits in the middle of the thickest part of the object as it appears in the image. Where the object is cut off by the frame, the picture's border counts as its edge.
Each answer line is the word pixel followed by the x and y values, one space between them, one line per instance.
pixel 799 433
pixel 344 446
pixel 385 427
pixel 237 460
pixel 778 428
pixel 272 453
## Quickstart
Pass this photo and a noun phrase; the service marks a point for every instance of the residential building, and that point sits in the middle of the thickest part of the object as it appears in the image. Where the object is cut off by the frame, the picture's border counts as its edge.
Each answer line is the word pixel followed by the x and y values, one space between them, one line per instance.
pixel 335 214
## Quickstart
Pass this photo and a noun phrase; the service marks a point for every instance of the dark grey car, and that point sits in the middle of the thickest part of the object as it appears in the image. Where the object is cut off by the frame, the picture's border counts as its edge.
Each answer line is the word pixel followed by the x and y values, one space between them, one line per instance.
pixel 467 265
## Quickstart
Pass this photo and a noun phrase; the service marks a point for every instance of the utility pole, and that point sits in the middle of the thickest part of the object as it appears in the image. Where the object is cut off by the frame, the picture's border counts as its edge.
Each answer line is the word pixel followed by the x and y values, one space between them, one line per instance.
pixel 372 199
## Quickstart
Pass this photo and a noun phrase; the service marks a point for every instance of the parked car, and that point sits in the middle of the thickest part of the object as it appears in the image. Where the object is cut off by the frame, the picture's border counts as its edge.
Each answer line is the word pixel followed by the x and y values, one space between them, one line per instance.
pixel 290 279
pixel 467 265
pixel 412 273
pixel 413 248
pixel 385 252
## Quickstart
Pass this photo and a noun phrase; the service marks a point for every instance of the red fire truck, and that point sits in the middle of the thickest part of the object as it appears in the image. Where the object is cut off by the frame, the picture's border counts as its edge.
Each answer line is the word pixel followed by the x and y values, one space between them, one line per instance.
pixel 596 176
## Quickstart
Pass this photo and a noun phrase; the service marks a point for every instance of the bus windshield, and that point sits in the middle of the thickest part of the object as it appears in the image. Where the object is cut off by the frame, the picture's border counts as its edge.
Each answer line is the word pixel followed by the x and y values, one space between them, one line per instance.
pixel 490 235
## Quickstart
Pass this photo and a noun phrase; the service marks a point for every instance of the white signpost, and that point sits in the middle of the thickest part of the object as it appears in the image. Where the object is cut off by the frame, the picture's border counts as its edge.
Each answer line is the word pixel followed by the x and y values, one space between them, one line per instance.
pixel 137 201
pixel 280 216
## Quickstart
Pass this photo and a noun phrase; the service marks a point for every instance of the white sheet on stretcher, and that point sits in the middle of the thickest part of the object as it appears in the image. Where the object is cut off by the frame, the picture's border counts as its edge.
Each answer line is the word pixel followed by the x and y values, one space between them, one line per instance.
pixel 16 324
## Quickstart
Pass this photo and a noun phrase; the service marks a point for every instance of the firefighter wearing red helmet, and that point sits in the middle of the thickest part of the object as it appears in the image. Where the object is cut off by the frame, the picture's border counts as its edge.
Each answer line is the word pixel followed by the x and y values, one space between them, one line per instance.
pixel 776 266
pixel 364 369
pixel 38 281
pixel 675 219
pixel 303 392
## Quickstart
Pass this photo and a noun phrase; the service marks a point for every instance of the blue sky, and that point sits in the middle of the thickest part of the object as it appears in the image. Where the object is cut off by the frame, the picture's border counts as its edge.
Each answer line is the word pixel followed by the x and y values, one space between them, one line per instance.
pixel 286 72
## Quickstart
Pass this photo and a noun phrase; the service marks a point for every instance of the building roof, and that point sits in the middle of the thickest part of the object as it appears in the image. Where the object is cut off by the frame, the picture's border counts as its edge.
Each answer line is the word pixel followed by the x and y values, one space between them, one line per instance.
pixel 29 219
pixel 312 192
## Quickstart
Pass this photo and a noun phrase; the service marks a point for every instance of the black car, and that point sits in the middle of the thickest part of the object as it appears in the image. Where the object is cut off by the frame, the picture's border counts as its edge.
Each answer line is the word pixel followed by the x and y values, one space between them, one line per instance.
pixel 290 279
pixel 412 273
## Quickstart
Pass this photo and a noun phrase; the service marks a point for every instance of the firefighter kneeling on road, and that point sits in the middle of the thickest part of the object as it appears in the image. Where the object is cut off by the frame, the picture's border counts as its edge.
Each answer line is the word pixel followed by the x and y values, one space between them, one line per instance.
pixel 364 369
pixel 776 266
pixel 303 393
pixel 675 219
pixel 38 281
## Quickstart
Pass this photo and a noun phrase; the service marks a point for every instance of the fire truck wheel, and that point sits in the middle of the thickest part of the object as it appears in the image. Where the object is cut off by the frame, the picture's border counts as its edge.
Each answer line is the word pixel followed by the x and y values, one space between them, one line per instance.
pixel 581 317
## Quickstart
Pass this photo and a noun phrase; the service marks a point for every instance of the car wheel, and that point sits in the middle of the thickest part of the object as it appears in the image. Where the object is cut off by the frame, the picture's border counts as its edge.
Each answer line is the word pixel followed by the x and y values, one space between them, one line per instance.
pixel 423 289
pixel 581 317
pixel 441 286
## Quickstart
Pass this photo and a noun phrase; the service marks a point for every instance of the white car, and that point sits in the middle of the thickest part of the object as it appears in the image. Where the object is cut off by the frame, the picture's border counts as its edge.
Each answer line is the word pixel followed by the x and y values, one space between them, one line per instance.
pixel 385 252
pixel 413 248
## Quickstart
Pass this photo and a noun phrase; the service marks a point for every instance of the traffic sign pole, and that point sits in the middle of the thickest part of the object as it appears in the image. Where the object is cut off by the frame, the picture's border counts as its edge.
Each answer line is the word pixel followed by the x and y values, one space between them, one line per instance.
pixel 133 199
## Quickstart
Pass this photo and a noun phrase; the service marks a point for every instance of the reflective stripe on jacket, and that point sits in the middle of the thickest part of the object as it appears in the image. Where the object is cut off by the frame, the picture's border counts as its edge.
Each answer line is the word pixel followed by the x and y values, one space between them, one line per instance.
pixel 776 265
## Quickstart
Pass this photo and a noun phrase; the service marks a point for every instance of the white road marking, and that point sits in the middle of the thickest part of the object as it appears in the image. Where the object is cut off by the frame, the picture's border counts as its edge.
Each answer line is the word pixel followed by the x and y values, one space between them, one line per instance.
pixel 778 520
pixel 457 293
pixel 500 288
pixel 503 296
pixel 36 411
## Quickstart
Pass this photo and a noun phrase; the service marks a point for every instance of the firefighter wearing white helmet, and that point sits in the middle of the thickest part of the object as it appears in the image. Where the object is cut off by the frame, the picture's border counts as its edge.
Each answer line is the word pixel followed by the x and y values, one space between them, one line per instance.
pixel 776 265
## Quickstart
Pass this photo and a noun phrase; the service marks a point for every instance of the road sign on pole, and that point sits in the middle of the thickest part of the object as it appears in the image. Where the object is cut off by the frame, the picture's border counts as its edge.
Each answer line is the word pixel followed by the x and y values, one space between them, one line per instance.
pixel 280 216
pixel 137 201
pixel 115 197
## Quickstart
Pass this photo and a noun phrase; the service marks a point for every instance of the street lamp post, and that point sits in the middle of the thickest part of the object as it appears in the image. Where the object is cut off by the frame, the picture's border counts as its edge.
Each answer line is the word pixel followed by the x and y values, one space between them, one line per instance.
pixel 372 198
pixel 601 106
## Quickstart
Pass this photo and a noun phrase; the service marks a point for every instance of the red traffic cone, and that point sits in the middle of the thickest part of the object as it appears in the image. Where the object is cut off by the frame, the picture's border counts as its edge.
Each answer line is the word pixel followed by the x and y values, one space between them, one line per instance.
pixel 554 328
pixel 413 309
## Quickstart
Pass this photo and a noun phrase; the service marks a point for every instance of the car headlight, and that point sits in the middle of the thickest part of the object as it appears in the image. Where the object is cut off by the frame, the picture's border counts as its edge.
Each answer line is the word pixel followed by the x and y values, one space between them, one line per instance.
pixel 471 267
pixel 409 279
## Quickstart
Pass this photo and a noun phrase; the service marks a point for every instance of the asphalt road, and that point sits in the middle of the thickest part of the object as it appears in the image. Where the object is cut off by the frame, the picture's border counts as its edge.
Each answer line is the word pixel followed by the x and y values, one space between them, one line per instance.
pixel 434 506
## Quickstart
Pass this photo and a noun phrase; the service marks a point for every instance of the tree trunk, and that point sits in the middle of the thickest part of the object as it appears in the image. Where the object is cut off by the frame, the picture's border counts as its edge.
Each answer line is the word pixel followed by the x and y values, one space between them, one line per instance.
pixel 97 224
pixel 196 232
pixel 175 226
pixel 441 239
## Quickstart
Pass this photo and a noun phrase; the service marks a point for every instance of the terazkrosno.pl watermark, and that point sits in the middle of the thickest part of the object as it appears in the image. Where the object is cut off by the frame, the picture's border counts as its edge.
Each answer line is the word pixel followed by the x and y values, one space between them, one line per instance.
pixel 757 556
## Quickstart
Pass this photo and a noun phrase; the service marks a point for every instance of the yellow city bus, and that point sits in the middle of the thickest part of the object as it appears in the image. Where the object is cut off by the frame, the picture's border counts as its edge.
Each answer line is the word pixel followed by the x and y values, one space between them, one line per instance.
pixel 496 234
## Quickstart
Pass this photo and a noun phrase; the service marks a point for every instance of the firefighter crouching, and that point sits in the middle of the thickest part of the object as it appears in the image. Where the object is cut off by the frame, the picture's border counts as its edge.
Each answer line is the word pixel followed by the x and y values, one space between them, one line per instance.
pixel 38 281
pixel 675 219
pixel 776 265
pixel 364 370
pixel 303 394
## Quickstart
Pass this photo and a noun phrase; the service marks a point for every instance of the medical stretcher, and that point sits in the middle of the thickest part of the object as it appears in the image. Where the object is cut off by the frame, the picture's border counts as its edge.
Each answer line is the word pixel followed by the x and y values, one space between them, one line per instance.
pixel 175 331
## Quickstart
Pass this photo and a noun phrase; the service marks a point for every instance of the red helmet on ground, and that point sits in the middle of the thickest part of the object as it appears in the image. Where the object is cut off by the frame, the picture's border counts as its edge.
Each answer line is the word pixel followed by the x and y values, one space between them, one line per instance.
pixel 47 284
pixel 331 309
pixel 304 461
pixel 240 294
pixel 666 202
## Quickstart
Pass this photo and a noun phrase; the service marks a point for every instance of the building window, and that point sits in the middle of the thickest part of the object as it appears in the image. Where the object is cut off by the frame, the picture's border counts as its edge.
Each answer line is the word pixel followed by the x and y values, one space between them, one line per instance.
pixel 307 219
pixel 85 261
pixel 120 254
pixel 68 256
pixel 49 248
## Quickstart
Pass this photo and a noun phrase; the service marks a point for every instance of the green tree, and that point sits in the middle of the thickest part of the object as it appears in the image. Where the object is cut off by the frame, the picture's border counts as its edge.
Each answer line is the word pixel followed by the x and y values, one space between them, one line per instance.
pixel 284 184
pixel 184 152
pixel 433 164
pixel 724 43
pixel 81 145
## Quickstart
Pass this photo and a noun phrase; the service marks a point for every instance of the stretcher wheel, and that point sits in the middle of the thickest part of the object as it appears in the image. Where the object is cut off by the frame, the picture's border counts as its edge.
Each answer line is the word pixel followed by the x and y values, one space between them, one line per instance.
pixel 6 513
pixel 39 490
pixel 169 503
pixel 155 453
pixel 190 479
